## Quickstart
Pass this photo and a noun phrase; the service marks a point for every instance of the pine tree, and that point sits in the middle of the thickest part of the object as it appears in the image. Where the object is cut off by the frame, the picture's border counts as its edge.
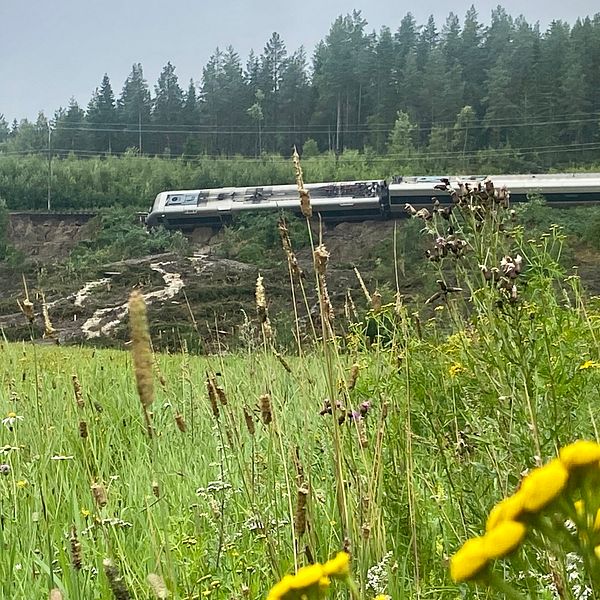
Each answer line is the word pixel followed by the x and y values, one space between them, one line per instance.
pixel 101 118
pixel 69 128
pixel 134 108
pixel 167 112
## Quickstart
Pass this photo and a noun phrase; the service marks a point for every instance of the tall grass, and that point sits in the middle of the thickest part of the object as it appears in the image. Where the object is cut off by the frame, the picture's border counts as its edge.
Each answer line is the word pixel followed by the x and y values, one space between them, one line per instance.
pixel 391 440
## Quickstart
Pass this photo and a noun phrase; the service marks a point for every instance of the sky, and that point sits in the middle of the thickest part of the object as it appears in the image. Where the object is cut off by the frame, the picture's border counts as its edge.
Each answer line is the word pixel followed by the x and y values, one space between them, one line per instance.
pixel 52 51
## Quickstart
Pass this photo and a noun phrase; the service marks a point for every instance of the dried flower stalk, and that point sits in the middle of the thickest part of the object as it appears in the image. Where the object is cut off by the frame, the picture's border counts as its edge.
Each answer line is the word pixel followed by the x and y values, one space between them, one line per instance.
pixel 305 206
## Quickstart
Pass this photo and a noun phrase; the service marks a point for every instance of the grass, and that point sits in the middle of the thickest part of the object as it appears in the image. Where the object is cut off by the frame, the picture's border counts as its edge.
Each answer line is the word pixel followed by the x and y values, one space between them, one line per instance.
pixel 392 441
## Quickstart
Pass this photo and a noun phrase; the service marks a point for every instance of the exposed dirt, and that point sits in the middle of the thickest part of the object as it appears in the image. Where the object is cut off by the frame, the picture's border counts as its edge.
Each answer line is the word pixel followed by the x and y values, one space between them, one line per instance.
pixel 200 300
pixel 48 239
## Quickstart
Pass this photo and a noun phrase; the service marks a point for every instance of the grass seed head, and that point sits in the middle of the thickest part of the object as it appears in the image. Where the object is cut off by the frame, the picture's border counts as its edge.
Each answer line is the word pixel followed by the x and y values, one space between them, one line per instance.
pixel 261 299
pixel 221 395
pixel 265 408
pixel 305 206
pixel 76 553
pixel 211 390
pixel 300 514
pixel 141 348
pixel 180 421
pixel 49 330
pixel 55 594
pixel 83 429
pixel 77 391
pixel 159 588
pixel 354 371
pixel 100 495
pixel 115 580
pixel 249 419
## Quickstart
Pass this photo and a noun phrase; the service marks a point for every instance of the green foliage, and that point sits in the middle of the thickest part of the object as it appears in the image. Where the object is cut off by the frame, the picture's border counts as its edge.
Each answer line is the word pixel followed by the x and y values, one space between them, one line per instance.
pixel 399 439
pixel 120 236
pixel 254 238
pixel 3 229
pixel 465 87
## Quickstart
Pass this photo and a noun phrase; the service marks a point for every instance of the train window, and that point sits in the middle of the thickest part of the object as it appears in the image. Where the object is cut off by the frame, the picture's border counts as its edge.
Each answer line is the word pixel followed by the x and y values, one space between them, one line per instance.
pixel 171 200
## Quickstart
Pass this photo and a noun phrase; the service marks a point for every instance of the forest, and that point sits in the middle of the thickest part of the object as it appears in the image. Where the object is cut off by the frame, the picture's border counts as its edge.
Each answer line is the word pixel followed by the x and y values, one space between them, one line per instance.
pixel 412 98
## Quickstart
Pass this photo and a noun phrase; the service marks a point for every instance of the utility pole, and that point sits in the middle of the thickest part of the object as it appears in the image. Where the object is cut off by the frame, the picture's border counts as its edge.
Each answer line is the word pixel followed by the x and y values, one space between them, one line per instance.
pixel 140 129
pixel 49 165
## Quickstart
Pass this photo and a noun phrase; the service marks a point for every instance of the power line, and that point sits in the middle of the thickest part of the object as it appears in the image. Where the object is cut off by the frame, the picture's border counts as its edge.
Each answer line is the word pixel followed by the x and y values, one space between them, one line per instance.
pixel 341 159
pixel 235 129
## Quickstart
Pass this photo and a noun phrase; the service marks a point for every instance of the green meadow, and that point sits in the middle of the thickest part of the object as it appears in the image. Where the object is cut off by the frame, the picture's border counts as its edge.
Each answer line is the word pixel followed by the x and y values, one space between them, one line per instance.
pixel 389 434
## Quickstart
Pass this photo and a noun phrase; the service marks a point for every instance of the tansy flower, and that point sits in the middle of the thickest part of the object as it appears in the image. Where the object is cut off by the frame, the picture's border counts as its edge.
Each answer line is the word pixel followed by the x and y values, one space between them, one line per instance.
pixel 589 364
pixel 503 539
pixel 307 577
pixel 338 566
pixel 543 485
pixel 469 560
pixel 508 509
pixel 580 454
pixel 315 577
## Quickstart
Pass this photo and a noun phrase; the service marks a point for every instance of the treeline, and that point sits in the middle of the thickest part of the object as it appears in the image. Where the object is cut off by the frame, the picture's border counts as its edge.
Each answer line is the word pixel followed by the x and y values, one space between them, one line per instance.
pixel 408 91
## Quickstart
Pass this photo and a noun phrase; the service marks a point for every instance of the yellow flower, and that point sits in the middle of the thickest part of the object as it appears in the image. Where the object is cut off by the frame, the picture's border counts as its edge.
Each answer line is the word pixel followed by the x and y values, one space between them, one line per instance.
pixel 382 597
pixel 311 576
pixel 543 485
pixel 580 510
pixel 338 566
pixel 85 513
pixel 324 582
pixel 589 364
pixel 503 539
pixel 597 552
pixel 469 560
pixel 280 589
pixel 307 577
pixel 580 454
pixel 508 509
pixel 455 369
pixel 22 483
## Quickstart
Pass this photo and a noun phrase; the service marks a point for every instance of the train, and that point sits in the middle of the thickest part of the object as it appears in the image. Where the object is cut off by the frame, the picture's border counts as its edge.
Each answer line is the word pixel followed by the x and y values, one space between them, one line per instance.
pixel 357 200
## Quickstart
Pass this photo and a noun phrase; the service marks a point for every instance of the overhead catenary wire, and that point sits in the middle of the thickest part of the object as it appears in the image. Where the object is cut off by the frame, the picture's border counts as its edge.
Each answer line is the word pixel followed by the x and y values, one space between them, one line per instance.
pixel 422 156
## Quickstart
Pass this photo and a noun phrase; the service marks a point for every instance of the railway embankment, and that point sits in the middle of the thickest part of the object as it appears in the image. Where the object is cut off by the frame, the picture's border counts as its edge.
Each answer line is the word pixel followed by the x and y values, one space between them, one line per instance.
pixel 203 296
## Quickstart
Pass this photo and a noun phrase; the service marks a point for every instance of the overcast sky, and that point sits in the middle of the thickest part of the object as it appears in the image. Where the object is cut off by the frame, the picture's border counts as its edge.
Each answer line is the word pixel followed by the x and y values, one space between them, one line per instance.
pixel 51 50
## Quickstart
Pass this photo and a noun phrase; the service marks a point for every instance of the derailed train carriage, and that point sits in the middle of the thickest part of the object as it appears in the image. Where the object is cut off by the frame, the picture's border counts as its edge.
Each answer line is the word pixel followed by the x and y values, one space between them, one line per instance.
pixel 347 200
pixel 358 200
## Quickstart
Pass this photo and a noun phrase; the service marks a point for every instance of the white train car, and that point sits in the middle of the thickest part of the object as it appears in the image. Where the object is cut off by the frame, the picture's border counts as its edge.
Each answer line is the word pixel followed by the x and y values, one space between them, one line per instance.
pixel 559 189
pixel 346 200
